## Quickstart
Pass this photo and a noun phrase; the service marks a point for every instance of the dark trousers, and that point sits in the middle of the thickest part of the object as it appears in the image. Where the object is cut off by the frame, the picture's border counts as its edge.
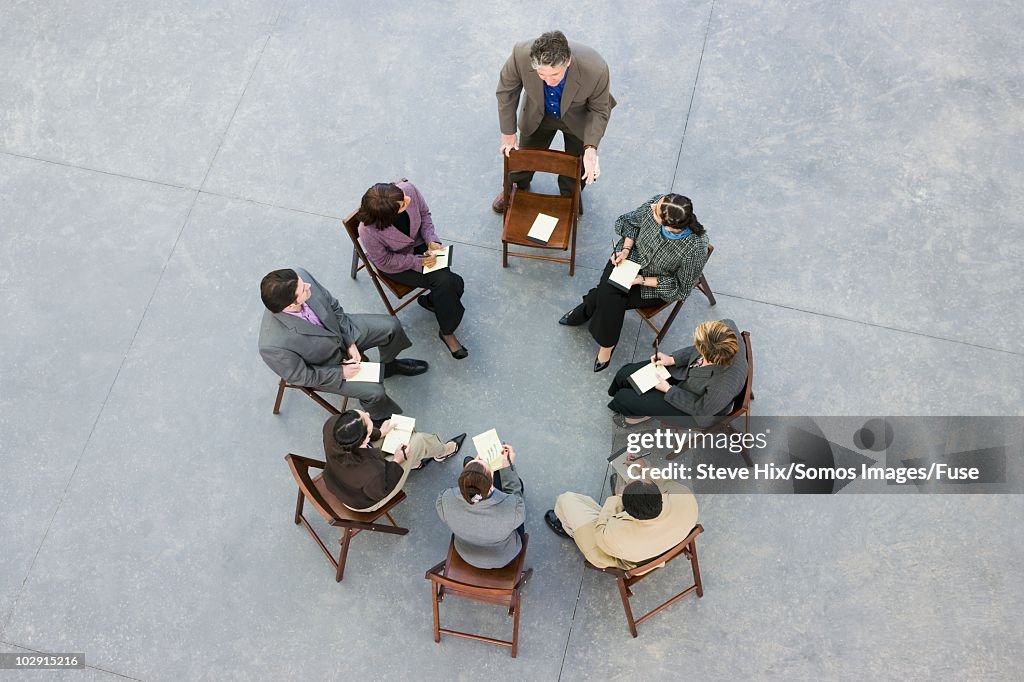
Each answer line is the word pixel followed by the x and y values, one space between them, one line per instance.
pixel 541 138
pixel 626 401
pixel 605 306
pixel 446 289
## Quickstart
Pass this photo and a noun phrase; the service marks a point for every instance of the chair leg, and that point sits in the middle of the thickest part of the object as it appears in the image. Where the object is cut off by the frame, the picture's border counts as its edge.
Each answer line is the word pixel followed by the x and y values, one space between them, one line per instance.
pixel 746 429
pixel 705 289
pixel 504 254
pixel 696 568
pixel 346 537
pixel 280 397
pixel 624 593
pixel 435 598
pixel 355 262
pixel 515 625
pixel 298 508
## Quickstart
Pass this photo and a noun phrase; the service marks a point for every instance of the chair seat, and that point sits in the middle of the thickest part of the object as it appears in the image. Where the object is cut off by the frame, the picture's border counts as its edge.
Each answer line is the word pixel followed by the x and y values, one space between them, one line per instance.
pixel 650 312
pixel 397 288
pixel 343 512
pixel 522 211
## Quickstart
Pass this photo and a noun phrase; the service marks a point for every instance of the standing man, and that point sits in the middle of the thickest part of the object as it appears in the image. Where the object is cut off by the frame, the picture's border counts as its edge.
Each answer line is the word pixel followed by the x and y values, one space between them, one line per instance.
pixel 308 339
pixel 566 89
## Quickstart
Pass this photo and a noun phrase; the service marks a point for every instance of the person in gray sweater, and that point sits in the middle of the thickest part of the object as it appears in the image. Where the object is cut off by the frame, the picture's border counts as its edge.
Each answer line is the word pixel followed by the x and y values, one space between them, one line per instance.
pixel 486 512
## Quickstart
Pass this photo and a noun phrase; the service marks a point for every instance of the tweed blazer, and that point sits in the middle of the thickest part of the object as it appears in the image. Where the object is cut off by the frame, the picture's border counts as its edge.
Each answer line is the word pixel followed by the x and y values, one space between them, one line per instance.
pixel 485 532
pixel 623 541
pixel 390 249
pixel 711 389
pixel 303 353
pixel 676 263
pixel 586 103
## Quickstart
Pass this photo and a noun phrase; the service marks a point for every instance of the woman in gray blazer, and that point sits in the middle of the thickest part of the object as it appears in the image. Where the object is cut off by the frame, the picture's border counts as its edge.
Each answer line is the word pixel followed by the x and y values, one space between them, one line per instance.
pixel 671 246
pixel 706 378
pixel 486 512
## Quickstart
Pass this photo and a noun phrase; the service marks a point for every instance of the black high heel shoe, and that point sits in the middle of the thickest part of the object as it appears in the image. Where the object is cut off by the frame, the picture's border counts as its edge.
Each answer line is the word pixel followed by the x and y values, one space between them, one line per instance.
pixel 601 366
pixel 459 354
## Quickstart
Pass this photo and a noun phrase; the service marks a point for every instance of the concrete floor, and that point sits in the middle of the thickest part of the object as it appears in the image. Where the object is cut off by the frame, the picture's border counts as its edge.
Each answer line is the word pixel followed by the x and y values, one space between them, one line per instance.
pixel 857 165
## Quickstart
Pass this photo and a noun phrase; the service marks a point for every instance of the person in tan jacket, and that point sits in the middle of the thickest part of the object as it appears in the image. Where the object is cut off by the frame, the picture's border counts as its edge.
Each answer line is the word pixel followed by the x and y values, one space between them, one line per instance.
pixel 631 527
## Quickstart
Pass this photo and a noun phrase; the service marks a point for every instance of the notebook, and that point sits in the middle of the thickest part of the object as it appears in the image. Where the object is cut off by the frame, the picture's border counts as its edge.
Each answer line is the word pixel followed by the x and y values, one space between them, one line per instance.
pixel 371 372
pixel 645 378
pixel 488 448
pixel 542 228
pixel 623 275
pixel 444 259
pixel 399 435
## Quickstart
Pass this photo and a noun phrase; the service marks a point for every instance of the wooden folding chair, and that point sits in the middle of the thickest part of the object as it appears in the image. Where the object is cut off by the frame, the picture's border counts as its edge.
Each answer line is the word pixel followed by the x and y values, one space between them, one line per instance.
pixel 522 207
pixel 335 513
pixel 495 585
pixel 626 579
pixel 316 397
pixel 740 407
pixel 648 314
pixel 403 292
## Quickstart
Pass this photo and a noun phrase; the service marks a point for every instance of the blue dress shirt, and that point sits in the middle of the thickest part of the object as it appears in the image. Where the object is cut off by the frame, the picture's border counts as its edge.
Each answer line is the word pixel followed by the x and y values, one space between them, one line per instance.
pixel 553 97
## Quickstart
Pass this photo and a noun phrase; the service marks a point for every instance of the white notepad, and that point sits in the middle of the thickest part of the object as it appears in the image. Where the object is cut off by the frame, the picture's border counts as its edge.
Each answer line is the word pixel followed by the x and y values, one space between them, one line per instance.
pixel 399 435
pixel 370 372
pixel 488 447
pixel 542 228
pixel 623 275
pixel 645 378
pixel 444 257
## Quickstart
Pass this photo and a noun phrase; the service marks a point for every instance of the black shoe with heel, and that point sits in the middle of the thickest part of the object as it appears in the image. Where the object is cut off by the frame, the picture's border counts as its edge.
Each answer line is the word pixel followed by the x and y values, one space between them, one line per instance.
pixel 459 354
pixel 574 317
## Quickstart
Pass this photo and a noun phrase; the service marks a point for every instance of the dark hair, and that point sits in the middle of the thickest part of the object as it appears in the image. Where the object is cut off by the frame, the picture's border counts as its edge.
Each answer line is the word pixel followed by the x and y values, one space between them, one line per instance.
pixel 380 205
pixel 475 479
pixel 551 49
pixel 642 500
pixel 278 289
pixel 677 213
pixel 349 432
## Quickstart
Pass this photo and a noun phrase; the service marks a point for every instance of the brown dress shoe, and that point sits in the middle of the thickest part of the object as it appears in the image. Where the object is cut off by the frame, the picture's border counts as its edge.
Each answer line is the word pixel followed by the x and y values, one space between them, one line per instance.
pixel 498 205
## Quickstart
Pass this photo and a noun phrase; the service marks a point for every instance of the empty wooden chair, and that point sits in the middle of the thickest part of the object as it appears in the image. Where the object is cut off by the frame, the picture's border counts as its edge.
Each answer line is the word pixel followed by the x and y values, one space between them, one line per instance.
pixel 522 207
pixel 404 293
pixel 351 523
pixel 626 579
pixel 648 314
pixel 454 576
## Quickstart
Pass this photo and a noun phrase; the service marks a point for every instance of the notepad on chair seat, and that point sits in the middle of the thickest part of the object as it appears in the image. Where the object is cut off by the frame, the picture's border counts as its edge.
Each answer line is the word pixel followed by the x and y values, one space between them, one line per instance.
pixel 371 372
pixel 623 275
pixel 645 378
pixel 444 259
pixel 542 228
pixel 488 447
pixel 399 435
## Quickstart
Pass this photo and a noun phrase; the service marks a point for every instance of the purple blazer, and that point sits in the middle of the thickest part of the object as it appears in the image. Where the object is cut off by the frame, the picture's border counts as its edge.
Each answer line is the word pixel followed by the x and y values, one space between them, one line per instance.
pixel 389 249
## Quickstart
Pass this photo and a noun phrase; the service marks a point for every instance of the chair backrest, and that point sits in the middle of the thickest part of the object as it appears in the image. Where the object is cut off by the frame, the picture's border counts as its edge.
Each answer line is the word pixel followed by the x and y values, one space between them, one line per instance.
pixel 742 401
pixel 398 289
pixel 300 466
pixel 664 557
pixel 543 161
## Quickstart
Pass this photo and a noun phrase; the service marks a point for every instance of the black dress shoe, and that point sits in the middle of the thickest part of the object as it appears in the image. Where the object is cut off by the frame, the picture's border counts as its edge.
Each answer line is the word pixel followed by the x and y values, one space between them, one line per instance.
pixel 601 366
pixel 427 302
pixel 406 366
pixel 458 440
pixel 574 317
pixel 554 524
pixel 459 354
pixel 466 460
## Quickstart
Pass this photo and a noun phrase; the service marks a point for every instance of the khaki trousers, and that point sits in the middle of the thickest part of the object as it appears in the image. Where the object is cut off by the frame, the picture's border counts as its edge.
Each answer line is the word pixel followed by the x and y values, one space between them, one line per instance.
pixel 578 514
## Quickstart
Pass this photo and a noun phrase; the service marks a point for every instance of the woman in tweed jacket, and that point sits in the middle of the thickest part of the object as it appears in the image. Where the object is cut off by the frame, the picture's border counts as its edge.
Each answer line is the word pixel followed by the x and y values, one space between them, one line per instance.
pixel 671 245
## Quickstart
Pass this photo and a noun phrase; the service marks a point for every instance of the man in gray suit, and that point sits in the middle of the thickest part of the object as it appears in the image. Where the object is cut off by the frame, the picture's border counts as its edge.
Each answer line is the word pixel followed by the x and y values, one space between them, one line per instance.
pixel 567 89
pixel 308 339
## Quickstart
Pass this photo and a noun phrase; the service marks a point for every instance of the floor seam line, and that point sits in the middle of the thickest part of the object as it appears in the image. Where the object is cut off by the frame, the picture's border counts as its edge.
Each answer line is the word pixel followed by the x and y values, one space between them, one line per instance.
pixel 693 95
pixel 93 667
pixel 89 169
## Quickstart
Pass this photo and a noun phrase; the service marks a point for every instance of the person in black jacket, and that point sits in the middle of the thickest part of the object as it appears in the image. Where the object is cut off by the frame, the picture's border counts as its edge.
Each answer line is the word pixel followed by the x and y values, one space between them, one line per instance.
pixel 363 477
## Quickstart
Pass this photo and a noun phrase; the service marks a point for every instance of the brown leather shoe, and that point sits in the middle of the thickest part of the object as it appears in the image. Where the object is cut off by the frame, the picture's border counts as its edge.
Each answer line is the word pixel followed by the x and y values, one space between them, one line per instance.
pixel 498 205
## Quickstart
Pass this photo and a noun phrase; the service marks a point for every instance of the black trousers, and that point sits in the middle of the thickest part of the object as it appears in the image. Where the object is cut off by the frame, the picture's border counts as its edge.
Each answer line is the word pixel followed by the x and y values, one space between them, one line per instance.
pixel 446 289
pixel 605 306
pixel 541 138
pixel 626 401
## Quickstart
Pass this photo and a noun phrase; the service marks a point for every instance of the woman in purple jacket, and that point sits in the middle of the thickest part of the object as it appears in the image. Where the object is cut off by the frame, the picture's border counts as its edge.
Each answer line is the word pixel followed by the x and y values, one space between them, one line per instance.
pixel 398 235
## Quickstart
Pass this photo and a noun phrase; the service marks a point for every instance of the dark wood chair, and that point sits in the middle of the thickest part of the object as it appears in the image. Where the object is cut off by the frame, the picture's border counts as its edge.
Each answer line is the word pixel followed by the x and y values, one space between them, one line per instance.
pixel 626 579
pixel 740 408
pixel 351 523
pixel 495 586
pixel 648 314
pixel 404 293
pixel 314 396
pixel 522 207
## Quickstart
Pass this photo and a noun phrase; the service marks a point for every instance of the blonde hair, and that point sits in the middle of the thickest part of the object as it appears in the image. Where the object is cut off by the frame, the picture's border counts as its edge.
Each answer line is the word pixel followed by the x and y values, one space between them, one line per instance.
pixel 716 342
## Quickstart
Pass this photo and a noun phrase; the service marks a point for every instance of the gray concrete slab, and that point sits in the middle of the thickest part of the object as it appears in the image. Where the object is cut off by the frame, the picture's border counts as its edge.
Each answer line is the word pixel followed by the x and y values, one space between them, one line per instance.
pixel 171 553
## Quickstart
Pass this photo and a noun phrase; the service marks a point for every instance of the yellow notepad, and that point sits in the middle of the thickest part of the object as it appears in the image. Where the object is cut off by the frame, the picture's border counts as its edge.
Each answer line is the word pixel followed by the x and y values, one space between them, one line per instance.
pixel 399 435
pixel 542 228
pixel 443 255
pixel 370 372
pixel 645 378
pixel 623 274
pixel 488 448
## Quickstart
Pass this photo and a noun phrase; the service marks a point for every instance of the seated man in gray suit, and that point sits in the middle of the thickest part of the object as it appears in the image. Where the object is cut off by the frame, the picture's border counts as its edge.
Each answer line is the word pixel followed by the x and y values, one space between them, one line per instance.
pixel 308 340
pixel 706 378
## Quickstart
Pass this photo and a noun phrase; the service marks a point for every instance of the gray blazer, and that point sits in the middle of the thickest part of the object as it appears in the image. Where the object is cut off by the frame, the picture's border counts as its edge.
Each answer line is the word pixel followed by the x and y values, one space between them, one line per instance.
pixel 485 532
pixel 587 100
pixel 302 353
pixel 711 389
